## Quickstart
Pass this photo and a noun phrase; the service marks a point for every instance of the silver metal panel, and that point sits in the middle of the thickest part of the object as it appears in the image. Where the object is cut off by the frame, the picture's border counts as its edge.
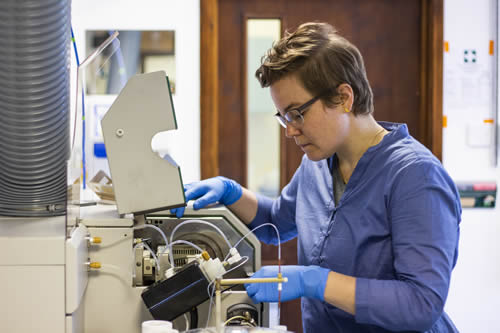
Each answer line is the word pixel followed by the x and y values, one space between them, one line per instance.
pixel 142 180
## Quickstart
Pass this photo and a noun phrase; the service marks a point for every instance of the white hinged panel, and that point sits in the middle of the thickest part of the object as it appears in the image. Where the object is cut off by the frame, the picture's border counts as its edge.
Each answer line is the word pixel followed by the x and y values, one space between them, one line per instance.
pixel 142 180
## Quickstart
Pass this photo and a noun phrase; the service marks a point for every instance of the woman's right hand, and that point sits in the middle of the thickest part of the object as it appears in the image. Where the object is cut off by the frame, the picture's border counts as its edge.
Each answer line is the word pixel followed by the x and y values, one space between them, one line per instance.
pixel 209 191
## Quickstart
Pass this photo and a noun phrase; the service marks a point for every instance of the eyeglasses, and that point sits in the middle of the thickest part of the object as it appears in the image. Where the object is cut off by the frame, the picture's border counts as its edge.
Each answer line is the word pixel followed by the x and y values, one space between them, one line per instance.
pixel 295 116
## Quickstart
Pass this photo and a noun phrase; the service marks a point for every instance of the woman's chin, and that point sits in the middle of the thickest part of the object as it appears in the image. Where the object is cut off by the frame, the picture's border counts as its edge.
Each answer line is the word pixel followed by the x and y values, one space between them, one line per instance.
pixel 314 156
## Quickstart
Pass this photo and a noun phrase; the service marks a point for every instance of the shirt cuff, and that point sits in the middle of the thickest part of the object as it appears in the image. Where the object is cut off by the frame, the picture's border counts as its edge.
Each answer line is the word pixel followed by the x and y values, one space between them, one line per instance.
pixel 362 300
pixel 264 205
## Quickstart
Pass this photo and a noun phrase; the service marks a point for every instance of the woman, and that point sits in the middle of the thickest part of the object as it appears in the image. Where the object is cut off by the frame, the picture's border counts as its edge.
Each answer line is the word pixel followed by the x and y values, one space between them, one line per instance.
pixel 376 215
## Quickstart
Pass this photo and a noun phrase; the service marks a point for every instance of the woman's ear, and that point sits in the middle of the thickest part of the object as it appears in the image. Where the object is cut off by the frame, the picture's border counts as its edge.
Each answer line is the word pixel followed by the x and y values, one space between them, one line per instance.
pixel 346 95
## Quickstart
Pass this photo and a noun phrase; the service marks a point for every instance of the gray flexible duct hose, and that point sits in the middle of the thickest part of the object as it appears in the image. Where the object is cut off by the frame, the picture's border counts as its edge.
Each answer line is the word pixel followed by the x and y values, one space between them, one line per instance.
pixel 34 106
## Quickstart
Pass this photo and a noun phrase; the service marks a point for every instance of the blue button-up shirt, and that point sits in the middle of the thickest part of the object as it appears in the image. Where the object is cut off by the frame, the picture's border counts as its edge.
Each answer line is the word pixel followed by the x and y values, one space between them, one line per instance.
pixel 395 229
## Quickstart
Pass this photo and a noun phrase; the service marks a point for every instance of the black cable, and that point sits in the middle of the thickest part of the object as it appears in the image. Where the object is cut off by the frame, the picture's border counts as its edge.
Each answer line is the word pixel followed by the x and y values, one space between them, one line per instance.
pixel 193 322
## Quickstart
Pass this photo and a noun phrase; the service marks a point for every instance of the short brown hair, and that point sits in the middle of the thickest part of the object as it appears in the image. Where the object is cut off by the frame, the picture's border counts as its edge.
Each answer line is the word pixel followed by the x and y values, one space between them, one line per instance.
pixel 322 60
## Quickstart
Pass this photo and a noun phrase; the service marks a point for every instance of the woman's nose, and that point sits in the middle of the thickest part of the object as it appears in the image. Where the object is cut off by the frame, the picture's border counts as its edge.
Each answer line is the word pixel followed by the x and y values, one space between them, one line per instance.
pixel 291 131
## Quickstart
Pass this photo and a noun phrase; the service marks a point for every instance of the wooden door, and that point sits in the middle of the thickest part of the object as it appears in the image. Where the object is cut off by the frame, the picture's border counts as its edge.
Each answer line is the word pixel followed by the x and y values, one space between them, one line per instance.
pixel 401 42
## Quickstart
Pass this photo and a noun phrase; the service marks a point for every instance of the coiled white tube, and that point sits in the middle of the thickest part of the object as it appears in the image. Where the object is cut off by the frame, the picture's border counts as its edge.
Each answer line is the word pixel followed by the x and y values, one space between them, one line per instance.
pixel 157 229
pixel 200 222
pixel 251 231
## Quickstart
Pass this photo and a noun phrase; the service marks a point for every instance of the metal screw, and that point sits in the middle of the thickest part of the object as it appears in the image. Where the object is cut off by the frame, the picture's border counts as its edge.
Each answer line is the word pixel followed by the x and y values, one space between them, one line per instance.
pixel 247 315
pixel 120 132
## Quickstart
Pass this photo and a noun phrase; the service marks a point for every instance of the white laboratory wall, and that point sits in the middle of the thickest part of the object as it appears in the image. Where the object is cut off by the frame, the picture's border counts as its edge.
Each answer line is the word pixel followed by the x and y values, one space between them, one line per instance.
pixel 184 18
pixel 470 98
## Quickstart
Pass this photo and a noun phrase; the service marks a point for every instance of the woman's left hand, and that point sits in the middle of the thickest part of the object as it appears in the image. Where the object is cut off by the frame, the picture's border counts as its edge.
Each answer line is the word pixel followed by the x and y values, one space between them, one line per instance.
pixel 303 281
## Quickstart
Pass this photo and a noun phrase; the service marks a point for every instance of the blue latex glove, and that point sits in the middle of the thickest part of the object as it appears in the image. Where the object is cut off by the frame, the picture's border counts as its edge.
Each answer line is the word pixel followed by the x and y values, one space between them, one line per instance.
pixel 218 189
pixel 303 281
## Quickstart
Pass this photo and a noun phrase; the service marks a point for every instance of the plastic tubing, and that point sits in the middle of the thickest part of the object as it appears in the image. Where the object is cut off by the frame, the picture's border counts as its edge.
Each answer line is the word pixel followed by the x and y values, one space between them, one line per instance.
pixel 279 258
pixel 243 261
pixel 251 231
pixel 211 293
pixel 179 241
pixel 200 222
pixel 152 253
pixel 211 296
pixel 157 229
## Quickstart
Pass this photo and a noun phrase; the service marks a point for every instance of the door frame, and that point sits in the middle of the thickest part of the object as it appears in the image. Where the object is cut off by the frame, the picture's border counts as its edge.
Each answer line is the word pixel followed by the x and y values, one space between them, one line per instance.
pixel 431 81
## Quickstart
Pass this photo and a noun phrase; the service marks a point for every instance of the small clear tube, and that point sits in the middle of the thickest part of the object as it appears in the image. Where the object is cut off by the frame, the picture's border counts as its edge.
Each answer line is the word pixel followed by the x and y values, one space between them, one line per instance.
pixel 211 293
pixel 157 229
pixel 211 296
pixel 251 231
pixel 200 222
pixel 244 259
pixel 280 286
pixel 186 320
pixel 113 269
